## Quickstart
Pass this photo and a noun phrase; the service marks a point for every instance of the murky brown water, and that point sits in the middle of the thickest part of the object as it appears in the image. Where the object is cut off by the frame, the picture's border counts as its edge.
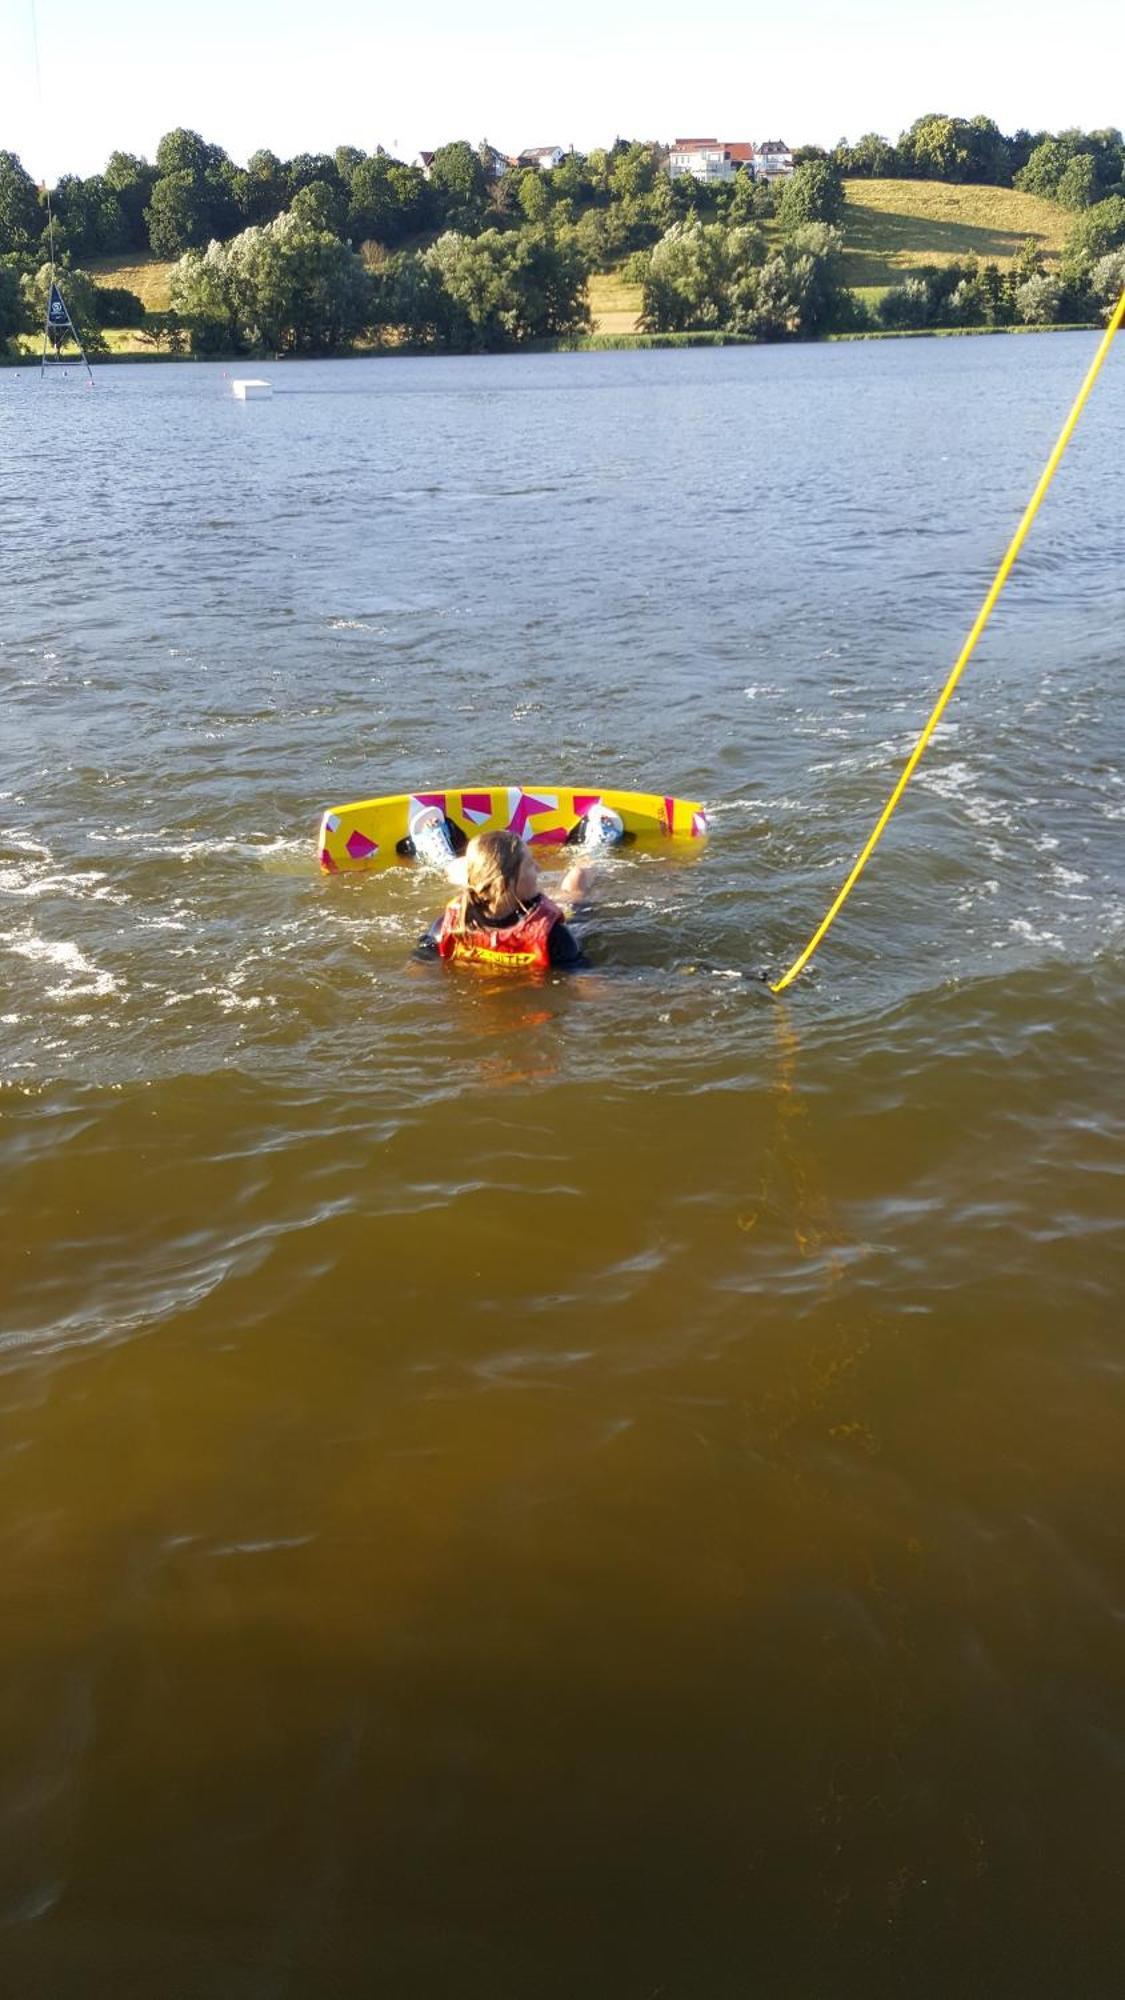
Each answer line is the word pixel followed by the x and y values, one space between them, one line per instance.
pixel 612 1488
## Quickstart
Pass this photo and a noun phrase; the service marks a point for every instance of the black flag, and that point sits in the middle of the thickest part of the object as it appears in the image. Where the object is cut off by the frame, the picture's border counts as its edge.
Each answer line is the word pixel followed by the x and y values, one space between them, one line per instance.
pixel 56 326
pixel 57 315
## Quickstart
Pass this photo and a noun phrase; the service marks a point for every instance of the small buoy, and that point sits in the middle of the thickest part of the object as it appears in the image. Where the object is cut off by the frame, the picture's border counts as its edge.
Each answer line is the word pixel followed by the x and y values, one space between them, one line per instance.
pixel 247 389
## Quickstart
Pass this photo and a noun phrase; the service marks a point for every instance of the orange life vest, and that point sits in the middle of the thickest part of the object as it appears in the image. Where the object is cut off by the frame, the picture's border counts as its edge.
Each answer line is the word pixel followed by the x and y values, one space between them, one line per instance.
pixel 518 947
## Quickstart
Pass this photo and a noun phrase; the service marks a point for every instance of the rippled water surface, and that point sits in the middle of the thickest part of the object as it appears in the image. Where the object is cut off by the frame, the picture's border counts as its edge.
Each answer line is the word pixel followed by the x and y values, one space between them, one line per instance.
pixel 613 1487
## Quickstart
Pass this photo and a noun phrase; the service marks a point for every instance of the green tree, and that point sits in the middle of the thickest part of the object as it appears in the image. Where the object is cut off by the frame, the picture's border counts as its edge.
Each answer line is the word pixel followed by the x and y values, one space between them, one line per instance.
pixel 1107 281
pixel 815 193
pixel 306 168
pixel 1037 300
pixel 186 152
pixel 598 168
pixel 1021 146
pixel 939 148
pixel 179 214
pixel 13 310
pixel 1093 235
pixel 89 218
pixel 871 158
pixel 686 284
pixel 908 305
pixel 504 287
pixel 347 159
pixel 796 291
pixel 165 332
pixel 21 216
pixel 412 194
pixel 322 206
pixel 700 275
pixel 988 153
pixel 1029 261
pixel 412 298
pixel 533 197
pixel 388 201
pixel 260 190
pixel 591 232
pixel 287 287
pixel 475 274
pixel 1078 182
pixel 116 305
pixel 1045 168
pixel 634 170
pixel 931 150
pixel 459 185
pixel 548 277
pixel 132 181
pixel 571 181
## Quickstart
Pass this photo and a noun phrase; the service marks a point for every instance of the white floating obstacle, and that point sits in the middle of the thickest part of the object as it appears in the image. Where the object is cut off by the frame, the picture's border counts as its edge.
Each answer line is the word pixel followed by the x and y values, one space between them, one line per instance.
pixel 249 389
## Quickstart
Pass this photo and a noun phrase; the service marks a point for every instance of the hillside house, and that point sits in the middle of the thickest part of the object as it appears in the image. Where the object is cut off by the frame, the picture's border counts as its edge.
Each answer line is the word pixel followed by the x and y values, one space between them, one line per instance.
pixel 773 160
pixel 496 162
pixel 543 157
pixel 709 160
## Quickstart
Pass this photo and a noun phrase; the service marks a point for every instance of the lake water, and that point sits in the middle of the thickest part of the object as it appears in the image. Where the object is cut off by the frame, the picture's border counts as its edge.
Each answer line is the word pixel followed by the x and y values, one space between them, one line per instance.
pixel 612 1487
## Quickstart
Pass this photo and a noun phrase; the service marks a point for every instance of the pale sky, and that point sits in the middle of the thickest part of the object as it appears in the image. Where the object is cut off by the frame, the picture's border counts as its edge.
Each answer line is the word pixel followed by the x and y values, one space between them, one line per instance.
pixel 301 78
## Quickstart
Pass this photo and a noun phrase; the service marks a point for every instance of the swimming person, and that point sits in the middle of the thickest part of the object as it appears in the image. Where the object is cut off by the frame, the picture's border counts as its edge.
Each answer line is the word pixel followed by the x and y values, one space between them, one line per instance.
pixel 501 918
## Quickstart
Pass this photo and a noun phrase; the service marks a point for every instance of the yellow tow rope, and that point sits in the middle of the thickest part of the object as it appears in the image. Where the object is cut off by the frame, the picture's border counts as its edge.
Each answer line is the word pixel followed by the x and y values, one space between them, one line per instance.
pixel 967 650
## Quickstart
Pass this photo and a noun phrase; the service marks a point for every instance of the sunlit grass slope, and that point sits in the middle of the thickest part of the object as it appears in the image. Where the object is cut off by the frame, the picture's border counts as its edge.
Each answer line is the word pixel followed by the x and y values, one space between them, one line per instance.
pixel 614 305
pixel 890 227
pixel 146 276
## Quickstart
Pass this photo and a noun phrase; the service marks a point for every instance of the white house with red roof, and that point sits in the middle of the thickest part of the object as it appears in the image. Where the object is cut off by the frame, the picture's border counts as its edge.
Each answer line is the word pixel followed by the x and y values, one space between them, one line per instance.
pixel 710 159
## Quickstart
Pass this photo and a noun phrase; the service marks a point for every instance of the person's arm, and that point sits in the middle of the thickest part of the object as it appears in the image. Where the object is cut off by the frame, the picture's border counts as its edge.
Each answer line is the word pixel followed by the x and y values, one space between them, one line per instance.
pixel 577 884
pixel 564 949
pixel 427 945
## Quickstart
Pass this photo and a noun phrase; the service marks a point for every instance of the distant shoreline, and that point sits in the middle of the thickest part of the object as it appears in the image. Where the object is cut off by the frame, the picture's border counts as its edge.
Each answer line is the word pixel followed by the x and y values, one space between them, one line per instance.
pixel 586 343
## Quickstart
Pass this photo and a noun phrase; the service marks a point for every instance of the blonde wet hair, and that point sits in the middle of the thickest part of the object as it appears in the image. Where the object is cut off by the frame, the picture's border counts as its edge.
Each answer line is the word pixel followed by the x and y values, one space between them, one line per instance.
pixel 493 864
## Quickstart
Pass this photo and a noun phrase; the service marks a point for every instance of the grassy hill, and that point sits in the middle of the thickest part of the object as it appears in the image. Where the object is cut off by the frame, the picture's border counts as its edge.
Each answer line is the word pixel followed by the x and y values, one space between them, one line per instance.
pixel 890 227
pixel 143 274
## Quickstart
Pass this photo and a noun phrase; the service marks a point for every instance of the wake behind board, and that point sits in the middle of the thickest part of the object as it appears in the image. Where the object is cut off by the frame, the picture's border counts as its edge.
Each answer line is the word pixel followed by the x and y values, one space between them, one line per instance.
pixel 373 833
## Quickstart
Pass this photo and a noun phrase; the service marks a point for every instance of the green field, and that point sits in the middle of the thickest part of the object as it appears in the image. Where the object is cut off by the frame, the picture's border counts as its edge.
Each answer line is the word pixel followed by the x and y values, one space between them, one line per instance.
pixel 614 305
pixel 144 275
pixel 890 227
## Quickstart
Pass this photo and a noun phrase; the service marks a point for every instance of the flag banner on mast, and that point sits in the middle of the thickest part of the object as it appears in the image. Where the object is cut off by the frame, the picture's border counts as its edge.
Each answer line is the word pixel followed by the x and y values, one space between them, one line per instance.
pixel 56 326
pixel 57 314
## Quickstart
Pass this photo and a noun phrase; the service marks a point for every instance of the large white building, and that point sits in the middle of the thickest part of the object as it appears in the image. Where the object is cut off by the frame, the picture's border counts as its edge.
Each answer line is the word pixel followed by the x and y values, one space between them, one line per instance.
pixel 707 159
pixel 712 160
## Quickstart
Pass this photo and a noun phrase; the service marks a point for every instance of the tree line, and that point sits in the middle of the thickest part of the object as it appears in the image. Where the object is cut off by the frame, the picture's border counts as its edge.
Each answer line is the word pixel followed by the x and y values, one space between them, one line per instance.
pixel 193 193
pixel 312 254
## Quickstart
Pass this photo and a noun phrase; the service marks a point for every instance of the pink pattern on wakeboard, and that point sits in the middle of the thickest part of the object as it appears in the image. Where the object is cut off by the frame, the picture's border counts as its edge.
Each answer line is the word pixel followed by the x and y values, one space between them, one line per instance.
pixel 526 807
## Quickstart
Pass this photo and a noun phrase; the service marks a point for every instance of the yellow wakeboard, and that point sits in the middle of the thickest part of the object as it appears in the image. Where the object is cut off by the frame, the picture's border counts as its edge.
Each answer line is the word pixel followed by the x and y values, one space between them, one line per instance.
pixel 373 833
